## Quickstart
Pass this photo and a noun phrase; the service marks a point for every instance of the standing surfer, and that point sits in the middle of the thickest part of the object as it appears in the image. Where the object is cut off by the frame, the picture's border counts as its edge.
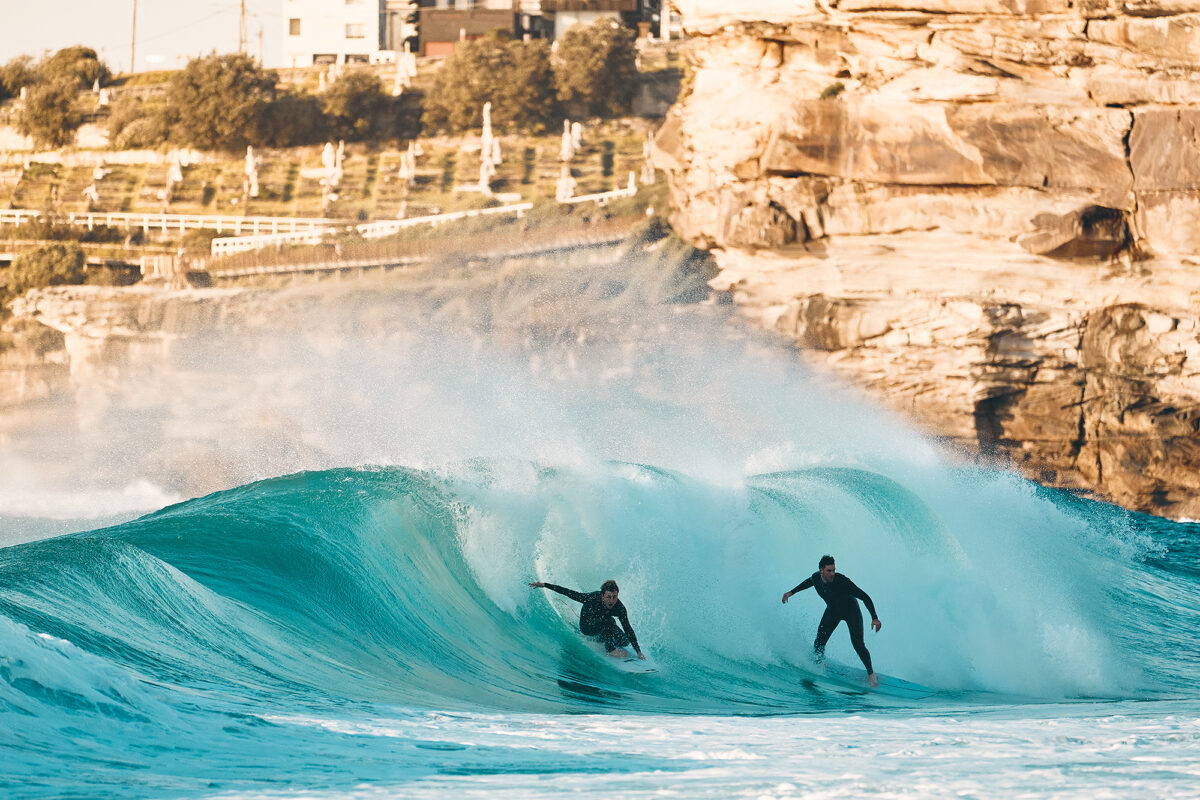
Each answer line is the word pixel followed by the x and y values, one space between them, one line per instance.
pixel 599 615
pixel 839 594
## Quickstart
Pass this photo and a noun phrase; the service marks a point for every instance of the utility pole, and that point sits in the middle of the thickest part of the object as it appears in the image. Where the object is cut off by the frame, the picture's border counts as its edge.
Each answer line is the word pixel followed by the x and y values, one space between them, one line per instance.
pixel 260 44
pixel 242 29
pixel 133 42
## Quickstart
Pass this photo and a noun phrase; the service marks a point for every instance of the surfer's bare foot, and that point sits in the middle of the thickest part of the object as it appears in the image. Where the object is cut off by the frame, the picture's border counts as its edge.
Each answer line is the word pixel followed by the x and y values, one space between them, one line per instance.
pixel 872 681
pixel 619 653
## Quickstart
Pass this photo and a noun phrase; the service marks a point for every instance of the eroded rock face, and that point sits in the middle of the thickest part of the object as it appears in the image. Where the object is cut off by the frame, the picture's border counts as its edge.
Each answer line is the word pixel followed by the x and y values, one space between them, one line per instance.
pixel 987 212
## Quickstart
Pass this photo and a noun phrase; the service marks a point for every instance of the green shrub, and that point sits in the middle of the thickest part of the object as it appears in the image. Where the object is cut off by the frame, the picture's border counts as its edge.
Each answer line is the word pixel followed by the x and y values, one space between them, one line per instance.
pixel 77 66
pixel 135 123
pixel 50 229
pixel 112 276
pixel 16 73
pixel 45 229
pixel 218 102
pixel 49 265
pixel 144 133
pixel 515 76
pixel 357 108
pixel 49 115
pixel 595 69
pixel 294 119
pixel 198 242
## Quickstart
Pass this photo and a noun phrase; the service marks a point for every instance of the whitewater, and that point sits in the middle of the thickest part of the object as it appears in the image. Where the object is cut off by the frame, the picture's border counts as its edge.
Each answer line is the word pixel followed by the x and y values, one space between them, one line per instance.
pixel 349 617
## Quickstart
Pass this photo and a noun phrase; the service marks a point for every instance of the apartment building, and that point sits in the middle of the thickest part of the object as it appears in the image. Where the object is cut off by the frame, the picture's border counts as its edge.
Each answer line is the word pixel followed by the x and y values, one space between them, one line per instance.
pixel 371 31
pixel 317 32
pixel 444 23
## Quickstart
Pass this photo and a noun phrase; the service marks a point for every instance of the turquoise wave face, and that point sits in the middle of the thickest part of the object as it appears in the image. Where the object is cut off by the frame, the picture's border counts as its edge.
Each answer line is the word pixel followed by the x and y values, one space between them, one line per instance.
pixel 410 588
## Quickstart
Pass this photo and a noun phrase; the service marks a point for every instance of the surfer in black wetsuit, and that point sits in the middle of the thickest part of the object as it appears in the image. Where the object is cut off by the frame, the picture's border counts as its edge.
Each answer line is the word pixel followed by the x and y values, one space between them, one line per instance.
pixel 839 594
pixel 599 615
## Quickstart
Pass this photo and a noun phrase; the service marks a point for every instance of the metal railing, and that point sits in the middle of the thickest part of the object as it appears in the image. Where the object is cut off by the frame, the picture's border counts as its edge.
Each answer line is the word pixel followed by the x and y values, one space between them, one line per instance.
pixel 168 223
pixel 602 198
pixel 391 254
pixel 227 246
pixel 265 232
pixel 369 230
pixel 377 230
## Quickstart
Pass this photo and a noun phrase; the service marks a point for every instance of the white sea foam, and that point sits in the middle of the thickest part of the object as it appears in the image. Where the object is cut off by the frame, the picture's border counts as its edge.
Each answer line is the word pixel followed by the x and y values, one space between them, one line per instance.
pixel 138 496
pixel 1065 751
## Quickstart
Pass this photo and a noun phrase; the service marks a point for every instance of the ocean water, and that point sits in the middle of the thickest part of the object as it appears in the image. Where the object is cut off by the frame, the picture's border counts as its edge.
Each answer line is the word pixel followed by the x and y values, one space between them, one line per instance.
pixel 354 620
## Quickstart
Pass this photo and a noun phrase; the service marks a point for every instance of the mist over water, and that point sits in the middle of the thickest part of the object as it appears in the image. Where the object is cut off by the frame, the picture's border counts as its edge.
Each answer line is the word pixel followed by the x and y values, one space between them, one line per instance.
pixel 396 461
pixel 560 367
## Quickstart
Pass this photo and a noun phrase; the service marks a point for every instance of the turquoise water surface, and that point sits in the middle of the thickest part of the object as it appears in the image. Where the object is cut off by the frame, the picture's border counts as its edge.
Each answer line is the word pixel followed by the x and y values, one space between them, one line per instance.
pixel 350 616
pixel 250 639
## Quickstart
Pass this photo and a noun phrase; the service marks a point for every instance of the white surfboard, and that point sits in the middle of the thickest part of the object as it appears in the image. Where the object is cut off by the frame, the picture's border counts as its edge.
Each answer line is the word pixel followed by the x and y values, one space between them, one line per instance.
pixel 568 610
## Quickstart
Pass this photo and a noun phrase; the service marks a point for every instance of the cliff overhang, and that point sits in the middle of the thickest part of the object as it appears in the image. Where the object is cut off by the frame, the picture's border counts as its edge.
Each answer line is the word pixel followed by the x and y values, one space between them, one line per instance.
pixel 984 212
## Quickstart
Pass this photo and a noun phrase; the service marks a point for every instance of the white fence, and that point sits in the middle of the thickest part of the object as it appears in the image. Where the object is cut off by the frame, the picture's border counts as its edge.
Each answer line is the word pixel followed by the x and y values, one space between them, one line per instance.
pixel 603 198
pixel 240 244
pixel 369 230
pixel 271 231
pixel 376 230
pixel 170 223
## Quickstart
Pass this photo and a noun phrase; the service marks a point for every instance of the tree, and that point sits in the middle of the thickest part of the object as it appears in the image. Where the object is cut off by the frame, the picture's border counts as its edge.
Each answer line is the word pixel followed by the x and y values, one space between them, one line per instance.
pixel 49 114
pixel 76 65
pixel 357 108
pixel 595 69
pixel 294 119
pixel 143 133
pixel 16 73
pixel 515 76
pixel 529 91
pixel 49 265
pixel 135 123
pixel 218 102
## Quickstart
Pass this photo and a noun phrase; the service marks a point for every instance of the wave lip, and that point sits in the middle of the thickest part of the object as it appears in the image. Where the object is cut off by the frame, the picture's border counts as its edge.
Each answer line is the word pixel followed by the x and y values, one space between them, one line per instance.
pixel 408 587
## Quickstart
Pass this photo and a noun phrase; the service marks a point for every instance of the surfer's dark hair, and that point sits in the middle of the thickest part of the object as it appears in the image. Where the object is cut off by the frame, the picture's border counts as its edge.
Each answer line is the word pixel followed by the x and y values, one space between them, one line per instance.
pixel 825 562
pixel 609 586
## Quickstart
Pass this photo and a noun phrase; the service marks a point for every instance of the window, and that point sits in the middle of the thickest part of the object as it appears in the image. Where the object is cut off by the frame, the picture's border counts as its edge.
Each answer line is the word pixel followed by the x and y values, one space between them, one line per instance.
pixel 293 27
pixel 356 30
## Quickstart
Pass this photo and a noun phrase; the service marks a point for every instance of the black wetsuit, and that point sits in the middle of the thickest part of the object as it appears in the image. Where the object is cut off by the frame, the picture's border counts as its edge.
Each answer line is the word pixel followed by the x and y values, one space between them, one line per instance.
pixel 840 604
pixel 599 622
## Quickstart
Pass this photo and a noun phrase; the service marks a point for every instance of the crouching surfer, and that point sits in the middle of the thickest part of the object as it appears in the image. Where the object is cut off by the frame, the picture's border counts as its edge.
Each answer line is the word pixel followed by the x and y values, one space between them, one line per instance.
pixel 841 597
pixel 599 615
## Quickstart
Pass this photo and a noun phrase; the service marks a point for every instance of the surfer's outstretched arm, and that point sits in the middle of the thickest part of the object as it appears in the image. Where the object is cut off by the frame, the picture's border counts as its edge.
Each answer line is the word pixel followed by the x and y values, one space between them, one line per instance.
pixel 861 595
pixel 804 584
pixel 578 597
pixel 624 617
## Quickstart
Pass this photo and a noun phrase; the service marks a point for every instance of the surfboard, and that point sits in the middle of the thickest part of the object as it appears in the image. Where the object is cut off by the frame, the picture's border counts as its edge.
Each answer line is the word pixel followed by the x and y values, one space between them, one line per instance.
pixel 568 611
pixel 888 684
pixel 630 663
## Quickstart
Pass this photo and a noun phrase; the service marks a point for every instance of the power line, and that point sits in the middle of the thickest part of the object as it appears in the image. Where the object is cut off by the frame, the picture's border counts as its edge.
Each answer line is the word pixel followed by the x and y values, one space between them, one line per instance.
pixel 133 42
pixel 185 26
pixel 242 28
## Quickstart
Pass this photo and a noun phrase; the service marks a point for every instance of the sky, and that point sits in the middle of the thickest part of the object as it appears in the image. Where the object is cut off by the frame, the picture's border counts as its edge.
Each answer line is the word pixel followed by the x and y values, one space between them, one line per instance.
pixel 169 32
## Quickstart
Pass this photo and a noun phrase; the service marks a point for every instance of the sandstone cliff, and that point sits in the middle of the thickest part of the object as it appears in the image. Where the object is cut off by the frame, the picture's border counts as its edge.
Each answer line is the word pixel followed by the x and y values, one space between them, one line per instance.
pixel 985 212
